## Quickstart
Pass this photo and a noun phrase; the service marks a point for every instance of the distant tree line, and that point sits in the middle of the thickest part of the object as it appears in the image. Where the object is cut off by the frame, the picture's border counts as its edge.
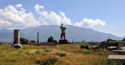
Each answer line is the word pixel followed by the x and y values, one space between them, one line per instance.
pixel 112 42
pixel 26 41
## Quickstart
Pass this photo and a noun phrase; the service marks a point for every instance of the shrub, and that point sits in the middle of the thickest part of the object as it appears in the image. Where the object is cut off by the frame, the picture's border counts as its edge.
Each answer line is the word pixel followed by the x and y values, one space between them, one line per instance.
pixel 49 60
pixel 32 41
pixel 24 41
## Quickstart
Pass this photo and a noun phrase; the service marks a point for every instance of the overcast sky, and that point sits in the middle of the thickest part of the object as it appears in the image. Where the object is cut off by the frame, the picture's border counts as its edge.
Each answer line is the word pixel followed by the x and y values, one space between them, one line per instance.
pixel 102 15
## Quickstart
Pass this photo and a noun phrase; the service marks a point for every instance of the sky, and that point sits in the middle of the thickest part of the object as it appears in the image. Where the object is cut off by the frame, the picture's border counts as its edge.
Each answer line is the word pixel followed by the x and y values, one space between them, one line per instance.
pixel 101 15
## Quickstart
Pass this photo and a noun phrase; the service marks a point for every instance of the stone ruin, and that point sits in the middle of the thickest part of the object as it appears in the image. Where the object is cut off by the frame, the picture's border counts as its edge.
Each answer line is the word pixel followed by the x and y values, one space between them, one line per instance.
pixel 16 43
pixel 37 38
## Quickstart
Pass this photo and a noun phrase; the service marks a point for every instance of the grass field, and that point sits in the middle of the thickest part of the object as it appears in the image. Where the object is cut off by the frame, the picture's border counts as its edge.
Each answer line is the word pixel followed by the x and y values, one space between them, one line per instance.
pixel 51 55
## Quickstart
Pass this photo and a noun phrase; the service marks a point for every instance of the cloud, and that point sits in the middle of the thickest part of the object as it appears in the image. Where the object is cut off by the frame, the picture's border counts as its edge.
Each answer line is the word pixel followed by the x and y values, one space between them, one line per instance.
pixel 16 17
pixel 37 7
pixel 51 18
pixel 18 5
pixel 90 23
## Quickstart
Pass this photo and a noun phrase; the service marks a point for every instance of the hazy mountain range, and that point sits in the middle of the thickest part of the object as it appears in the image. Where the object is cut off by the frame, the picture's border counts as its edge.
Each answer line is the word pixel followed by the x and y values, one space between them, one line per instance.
pixel 73 33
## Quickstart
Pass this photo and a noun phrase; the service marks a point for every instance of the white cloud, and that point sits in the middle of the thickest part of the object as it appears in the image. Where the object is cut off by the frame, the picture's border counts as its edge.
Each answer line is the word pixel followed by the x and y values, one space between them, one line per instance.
pixel 51 18
pixel 19 5
pixel 37 7
pixel 16 17
pixel 90 23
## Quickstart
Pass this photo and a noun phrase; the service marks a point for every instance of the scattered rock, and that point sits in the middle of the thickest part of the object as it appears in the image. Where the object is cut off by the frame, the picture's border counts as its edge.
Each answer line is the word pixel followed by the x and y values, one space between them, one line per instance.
pixel 47 50
pixel 84 47
pixel 61 54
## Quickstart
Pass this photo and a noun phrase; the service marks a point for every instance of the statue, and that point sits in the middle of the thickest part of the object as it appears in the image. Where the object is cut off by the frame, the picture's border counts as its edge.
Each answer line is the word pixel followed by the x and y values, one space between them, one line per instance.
pixel 63 39
pixel 62 36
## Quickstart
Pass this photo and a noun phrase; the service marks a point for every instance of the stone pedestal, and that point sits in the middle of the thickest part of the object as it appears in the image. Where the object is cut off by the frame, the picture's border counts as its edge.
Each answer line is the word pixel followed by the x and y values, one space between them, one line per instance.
pixel 16 46
pixel 63 42
pixel 16 43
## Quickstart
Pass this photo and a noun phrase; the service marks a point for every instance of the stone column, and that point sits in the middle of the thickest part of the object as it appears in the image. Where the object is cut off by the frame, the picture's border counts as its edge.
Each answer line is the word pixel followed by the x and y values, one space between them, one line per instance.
pixel 16 43
pixel 37 38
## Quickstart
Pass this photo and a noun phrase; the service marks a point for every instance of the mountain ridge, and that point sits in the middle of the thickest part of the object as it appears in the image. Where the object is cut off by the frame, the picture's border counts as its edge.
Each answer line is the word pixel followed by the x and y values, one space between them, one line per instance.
pixel 73 33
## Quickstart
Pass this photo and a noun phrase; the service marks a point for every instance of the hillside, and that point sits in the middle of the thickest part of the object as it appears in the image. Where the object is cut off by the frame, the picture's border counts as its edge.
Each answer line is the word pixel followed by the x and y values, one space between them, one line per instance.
pixel 73 33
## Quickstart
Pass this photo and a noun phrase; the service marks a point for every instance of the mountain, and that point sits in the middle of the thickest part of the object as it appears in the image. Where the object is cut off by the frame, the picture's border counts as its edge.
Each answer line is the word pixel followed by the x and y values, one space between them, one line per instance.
pixel 73 33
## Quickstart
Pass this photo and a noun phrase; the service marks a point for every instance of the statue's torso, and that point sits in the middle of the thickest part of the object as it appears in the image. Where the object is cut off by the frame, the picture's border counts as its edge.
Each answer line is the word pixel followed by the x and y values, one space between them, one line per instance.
pixel 63 29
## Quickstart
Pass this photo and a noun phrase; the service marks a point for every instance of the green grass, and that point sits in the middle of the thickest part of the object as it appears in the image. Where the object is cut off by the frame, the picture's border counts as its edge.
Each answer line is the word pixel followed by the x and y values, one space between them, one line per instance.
pixel 51 55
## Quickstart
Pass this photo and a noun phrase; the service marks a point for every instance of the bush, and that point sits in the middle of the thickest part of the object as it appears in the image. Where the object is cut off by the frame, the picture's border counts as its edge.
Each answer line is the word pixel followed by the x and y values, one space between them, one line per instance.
pixel 49 60
pixel 123 39
pixel 32 41
pixel 24 41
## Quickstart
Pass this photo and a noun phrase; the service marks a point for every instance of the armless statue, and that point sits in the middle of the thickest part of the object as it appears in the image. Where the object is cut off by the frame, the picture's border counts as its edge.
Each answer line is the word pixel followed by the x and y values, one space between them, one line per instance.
pixel 62 36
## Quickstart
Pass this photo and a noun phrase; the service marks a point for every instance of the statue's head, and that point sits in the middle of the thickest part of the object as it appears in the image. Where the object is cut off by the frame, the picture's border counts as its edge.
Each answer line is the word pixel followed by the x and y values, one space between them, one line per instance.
pixel 61 24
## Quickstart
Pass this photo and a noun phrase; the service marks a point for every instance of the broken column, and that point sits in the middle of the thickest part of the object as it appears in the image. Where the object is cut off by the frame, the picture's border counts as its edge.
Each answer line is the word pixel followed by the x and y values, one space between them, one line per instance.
pixel 16 43
pixel 37 38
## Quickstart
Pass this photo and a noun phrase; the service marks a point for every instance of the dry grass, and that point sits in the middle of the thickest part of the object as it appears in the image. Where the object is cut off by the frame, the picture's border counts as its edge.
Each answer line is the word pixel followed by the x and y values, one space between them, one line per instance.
pixel 51 55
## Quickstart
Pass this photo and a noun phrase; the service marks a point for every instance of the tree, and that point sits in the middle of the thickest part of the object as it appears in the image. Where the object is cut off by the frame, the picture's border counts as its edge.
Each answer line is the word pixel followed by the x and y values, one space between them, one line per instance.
pixel 32 41
pixel 50 39
pixel 110 40
pixel 24 41
pixel 123 39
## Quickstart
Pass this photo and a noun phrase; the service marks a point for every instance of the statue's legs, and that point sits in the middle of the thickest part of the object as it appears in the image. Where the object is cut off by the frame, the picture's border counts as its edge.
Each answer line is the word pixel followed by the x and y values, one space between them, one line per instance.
pixel 62 36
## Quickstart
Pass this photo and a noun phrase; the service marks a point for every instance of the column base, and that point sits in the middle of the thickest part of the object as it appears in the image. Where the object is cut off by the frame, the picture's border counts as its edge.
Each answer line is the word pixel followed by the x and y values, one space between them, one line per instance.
pixel 17 46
